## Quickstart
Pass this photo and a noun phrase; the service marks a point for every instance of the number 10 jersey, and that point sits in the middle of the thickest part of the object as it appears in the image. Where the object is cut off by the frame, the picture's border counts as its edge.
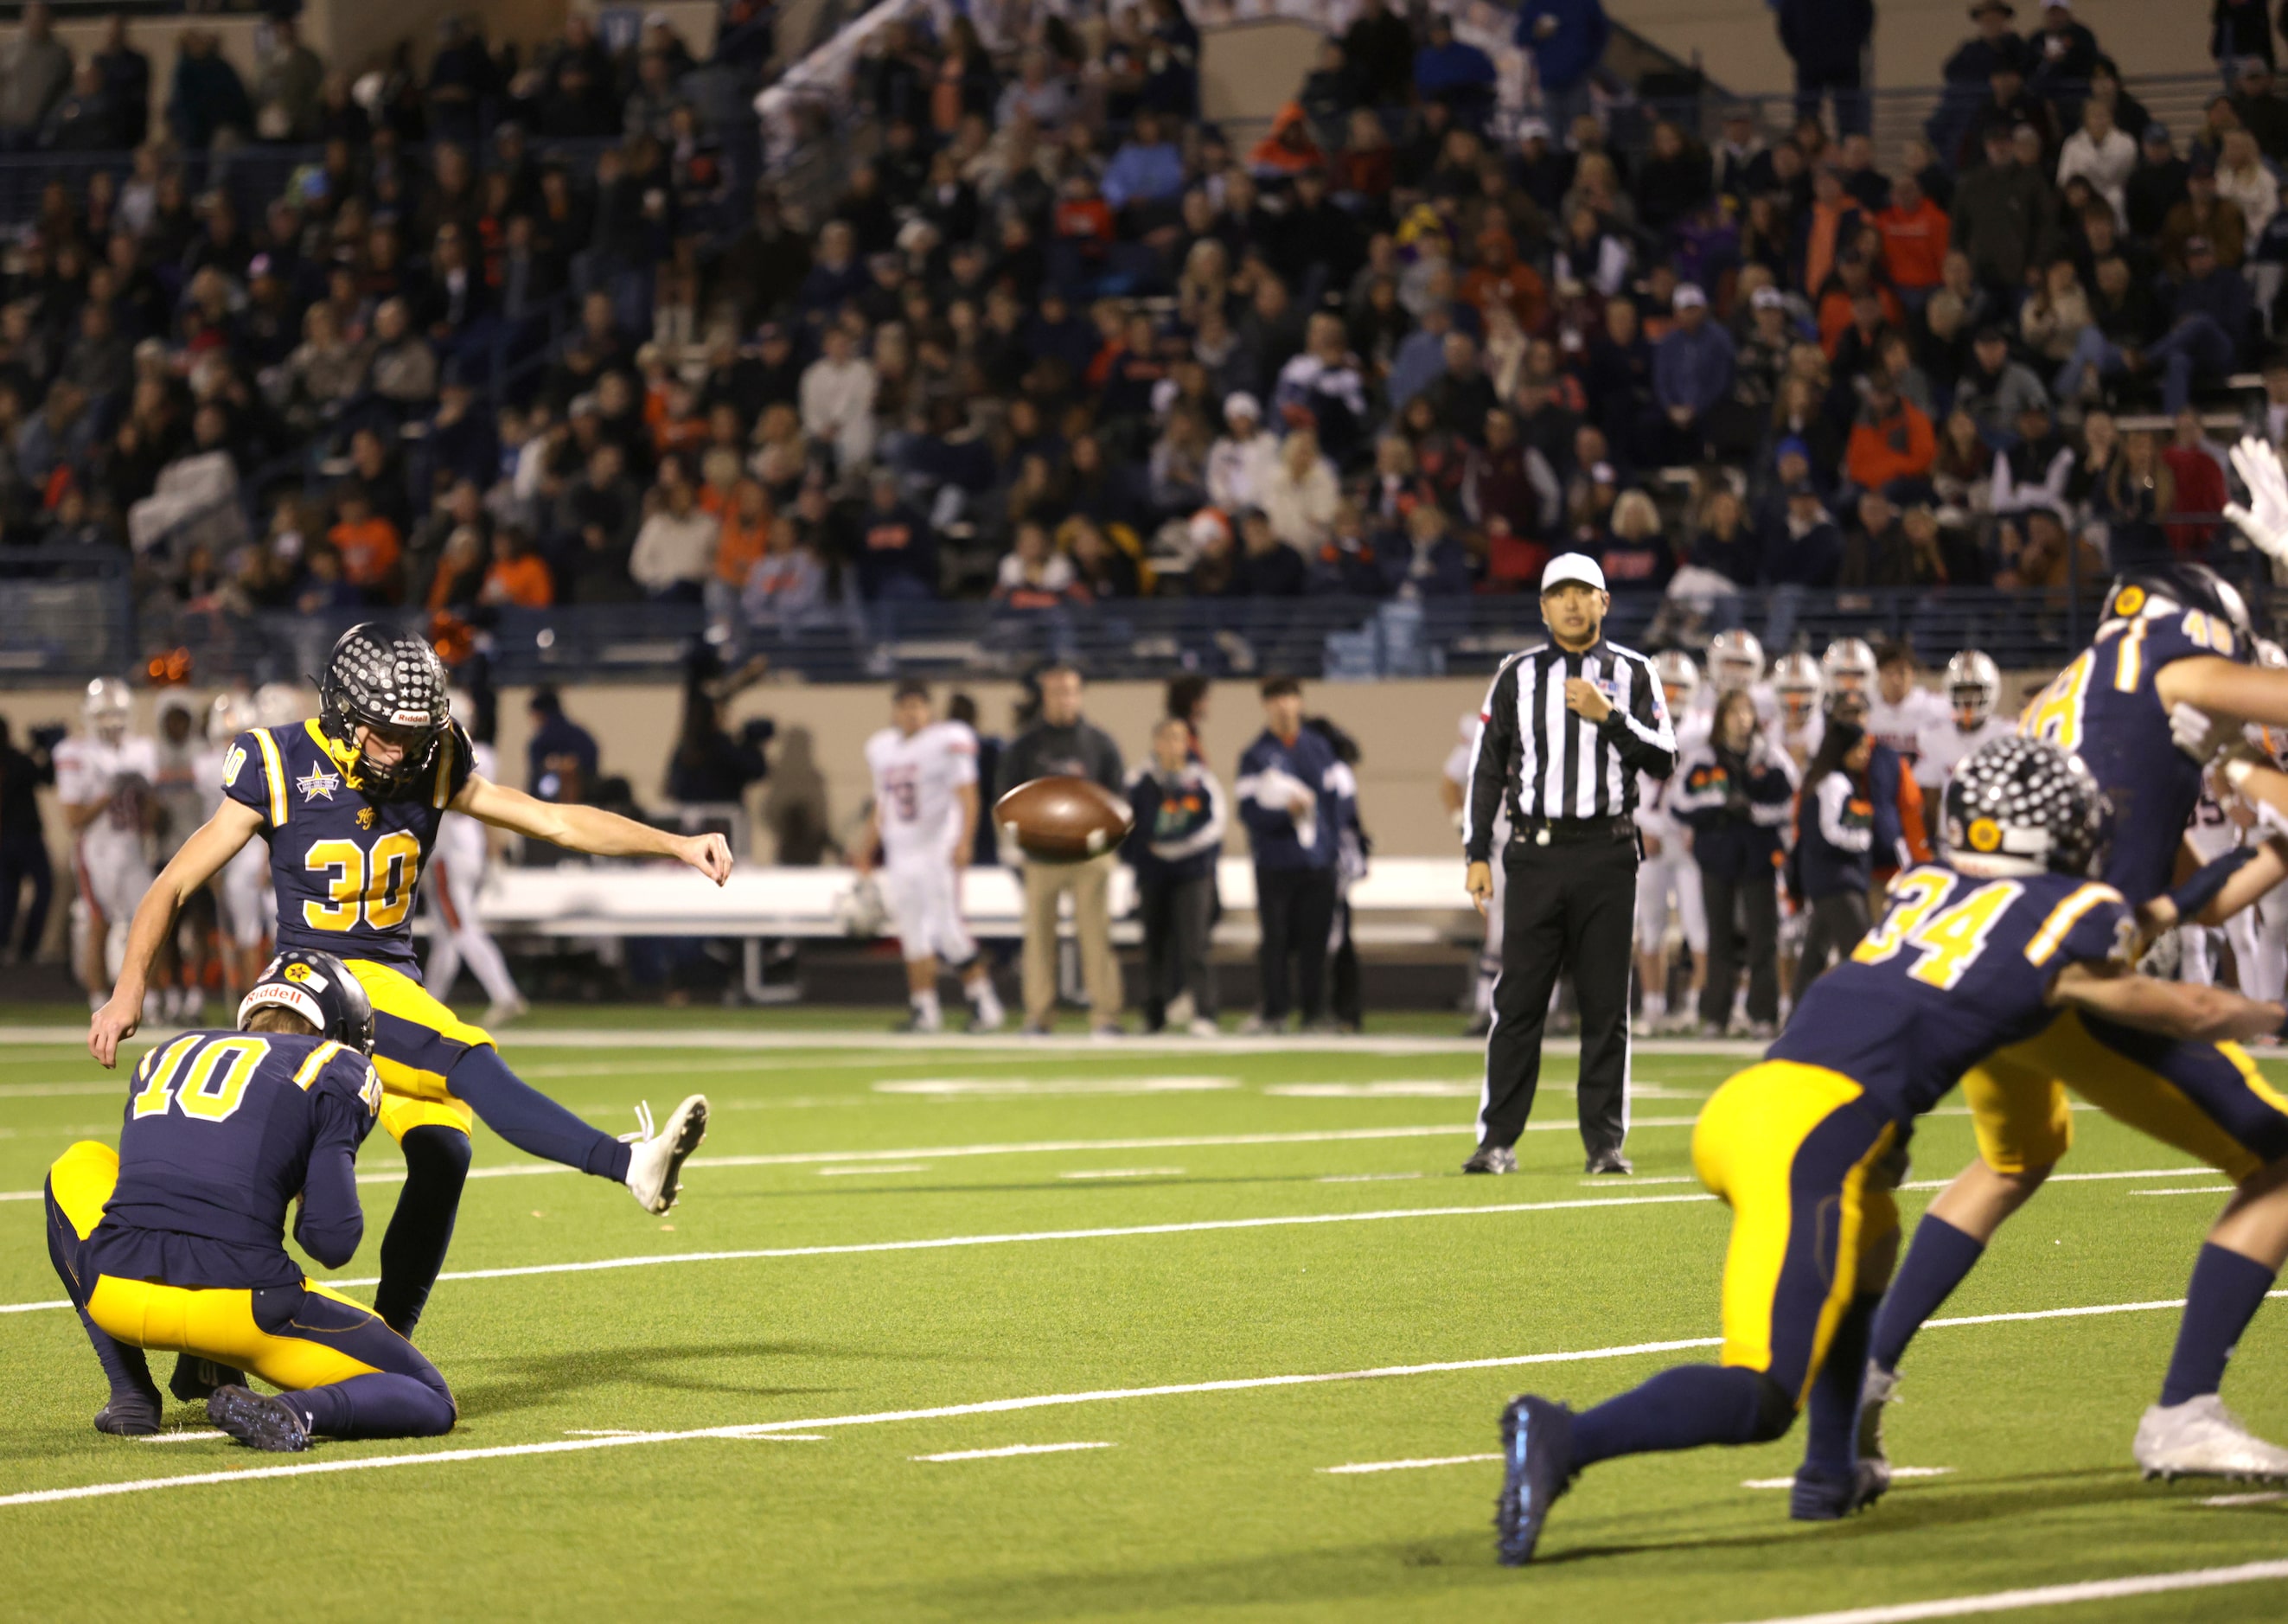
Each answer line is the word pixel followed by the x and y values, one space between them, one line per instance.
pixel 346 868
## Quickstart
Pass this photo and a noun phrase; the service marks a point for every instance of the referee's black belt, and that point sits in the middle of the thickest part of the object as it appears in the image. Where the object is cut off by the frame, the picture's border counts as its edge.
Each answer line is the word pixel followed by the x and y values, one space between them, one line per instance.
pixel 1572 830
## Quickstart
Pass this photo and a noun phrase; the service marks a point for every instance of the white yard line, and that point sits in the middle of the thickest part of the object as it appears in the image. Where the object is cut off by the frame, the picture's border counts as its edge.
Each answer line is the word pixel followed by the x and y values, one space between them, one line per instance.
pixel 182 1437
pixel 2049 1596
pixel 1897 1471
pixel 2084 1178
pixel 1003 1407
pixel 1007 1450
pixel 1404 1465
pixel 1124 1173
pixel 1364 1178
pixel 2187 1190
pixel 2267 1498
pixel 877 1167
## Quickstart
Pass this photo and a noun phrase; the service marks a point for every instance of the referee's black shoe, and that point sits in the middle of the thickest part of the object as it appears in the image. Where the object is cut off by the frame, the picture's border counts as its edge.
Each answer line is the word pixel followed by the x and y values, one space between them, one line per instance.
pixel 1608 1161
pixel 1492 1158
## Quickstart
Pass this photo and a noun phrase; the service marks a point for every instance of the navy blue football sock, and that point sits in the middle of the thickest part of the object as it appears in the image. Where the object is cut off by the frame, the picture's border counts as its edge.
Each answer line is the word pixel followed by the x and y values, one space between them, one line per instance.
pixel 1831 1449
pixel 413 1248
pixel 1683 1408
pixel 383 1404
pixel 124 1367
pixel 1940 1256
pixel 530 1120
pixel 2225 1293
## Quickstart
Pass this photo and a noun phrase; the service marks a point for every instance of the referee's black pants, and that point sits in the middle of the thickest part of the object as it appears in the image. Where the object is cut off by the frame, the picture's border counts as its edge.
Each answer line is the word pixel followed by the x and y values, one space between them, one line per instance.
pixel 1572 904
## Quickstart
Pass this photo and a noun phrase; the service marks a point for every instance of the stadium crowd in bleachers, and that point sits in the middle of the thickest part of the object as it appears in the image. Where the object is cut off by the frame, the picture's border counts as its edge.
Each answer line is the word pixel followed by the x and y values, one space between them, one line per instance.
pixel 513 335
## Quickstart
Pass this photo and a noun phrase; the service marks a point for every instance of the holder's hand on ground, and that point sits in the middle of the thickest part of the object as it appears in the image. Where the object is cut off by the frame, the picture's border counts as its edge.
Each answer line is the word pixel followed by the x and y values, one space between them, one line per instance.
pixel 710 854
pixel 1480 884
pixel 112 1025
pixel 2265 520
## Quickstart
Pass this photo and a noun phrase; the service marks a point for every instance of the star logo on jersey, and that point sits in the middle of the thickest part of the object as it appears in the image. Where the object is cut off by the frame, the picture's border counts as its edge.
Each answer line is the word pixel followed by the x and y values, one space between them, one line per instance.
pixel 318 784
pixel 365 818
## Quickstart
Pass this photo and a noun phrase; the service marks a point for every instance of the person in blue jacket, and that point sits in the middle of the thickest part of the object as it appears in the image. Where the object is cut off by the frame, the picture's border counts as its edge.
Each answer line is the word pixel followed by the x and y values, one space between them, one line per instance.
pixel 1293 799
pixel 1567 39
pixel 1735 790
pixel 1180 813
pixel 1831 868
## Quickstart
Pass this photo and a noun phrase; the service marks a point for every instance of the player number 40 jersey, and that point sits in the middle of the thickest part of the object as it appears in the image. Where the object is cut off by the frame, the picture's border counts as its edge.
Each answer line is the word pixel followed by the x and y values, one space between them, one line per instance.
pixel 345 866
pixel 2105 709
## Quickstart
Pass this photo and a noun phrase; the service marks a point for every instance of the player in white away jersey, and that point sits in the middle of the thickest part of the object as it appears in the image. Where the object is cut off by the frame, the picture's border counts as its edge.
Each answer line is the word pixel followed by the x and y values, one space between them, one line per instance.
pixel 1797 680
pixel 921 829
pixel 456 874
pixel 1668 879
pixel 1973 688
pixel 244 908
pixel 105 778
pixel 1736 659
pixel 1900 708
pixel 181 971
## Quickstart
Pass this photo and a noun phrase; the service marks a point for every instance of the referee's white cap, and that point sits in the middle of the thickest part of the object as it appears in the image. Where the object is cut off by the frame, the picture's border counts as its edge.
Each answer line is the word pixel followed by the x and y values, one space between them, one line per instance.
pixel 1571 567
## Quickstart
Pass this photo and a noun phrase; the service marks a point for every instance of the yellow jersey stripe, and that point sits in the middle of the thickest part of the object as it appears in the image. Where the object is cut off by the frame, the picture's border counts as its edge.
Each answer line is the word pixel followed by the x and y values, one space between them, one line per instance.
pixel 2064 916
pixel 315 1063
pixel 2129 658
pixel 273 768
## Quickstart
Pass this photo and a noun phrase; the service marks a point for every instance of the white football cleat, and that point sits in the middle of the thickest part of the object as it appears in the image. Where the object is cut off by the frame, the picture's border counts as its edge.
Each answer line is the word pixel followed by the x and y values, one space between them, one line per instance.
pixel 505 1010
pixel 2201 1438
pixel 659 1157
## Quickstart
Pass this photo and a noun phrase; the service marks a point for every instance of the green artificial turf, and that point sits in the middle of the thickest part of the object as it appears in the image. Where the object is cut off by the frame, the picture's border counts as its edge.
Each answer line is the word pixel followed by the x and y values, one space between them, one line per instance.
pixel 1205 1504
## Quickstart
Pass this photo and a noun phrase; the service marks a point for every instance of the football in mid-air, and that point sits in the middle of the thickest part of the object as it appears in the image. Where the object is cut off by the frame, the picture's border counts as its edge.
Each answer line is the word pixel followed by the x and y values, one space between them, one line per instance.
pixel 1062 820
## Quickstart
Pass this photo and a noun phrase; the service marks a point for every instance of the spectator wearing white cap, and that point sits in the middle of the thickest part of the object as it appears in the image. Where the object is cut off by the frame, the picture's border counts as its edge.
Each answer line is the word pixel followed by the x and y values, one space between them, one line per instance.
pixel 1570 725
pixel 1240 461
pixel 1691 378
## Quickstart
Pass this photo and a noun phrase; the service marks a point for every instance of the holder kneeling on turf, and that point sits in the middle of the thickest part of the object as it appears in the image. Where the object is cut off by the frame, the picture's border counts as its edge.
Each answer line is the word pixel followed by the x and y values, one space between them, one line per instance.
pixel 175 1241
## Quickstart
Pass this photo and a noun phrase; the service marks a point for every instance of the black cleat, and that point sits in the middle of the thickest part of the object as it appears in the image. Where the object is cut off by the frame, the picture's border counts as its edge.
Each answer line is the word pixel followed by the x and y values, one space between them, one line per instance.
pixel 1492 1158
pixel 1537 1437
pixel 1608 1161
pixel 268 1424
pixel 195 1378
pixel 129 1415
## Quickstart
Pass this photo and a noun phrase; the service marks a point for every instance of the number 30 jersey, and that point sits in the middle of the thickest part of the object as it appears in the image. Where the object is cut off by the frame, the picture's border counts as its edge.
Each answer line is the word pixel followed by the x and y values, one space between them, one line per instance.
pixel 2104 708
pixel 346 868
pixel 222 1131
pixel 1957 967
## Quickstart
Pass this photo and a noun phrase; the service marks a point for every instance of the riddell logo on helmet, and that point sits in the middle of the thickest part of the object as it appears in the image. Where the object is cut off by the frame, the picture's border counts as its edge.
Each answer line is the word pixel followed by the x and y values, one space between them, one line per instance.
pixel 409 718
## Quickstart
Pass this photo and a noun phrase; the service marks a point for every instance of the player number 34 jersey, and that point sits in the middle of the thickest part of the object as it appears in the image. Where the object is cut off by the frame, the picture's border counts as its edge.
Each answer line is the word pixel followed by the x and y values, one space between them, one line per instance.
pixel 1957 967
pixel 345 867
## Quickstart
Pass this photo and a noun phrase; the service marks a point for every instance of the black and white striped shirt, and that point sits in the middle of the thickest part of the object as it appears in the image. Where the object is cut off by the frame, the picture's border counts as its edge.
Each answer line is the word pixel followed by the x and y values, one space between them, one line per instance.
pixel 1546 763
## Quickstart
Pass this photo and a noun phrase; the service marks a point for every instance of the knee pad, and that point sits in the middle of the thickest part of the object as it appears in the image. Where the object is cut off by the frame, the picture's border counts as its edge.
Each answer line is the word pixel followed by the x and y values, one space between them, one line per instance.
pixel 1774 1410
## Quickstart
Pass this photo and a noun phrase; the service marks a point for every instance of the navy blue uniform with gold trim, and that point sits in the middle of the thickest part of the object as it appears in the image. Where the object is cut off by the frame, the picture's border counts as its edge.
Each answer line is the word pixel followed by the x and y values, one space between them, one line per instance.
pixel 1807 1146
pixel 346 868
pixel 174 1242
pixel 2207 1099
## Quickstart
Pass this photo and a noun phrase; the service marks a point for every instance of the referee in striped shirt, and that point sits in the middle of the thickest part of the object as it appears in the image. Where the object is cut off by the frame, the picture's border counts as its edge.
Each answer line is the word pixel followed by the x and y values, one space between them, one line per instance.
pixel 1565 728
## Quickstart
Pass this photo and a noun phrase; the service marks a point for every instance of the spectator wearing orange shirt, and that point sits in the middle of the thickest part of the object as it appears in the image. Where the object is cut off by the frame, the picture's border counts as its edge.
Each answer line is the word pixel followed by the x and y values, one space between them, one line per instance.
pixel 1501 278
pixel 676 425
pixel 1915 236
pixel 1288 149
pixel 518 578
pixel 369 547
pixel 746 534
pixel 1892 444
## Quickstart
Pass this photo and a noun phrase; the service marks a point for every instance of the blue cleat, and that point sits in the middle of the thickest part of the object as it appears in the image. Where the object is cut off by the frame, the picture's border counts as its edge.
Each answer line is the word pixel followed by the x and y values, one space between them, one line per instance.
pixel 1819 1499
pixel 1537 1467
pixel 268 1424
pixel 130 1414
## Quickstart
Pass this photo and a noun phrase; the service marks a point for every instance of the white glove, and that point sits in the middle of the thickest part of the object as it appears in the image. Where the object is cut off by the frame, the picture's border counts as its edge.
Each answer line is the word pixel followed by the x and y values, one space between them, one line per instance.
pixel 2265 521
pixel 2198 734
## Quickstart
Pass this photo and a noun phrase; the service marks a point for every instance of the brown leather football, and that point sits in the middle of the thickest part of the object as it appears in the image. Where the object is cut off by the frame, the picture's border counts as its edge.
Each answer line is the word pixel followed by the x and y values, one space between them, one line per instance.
pixel 1062 820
